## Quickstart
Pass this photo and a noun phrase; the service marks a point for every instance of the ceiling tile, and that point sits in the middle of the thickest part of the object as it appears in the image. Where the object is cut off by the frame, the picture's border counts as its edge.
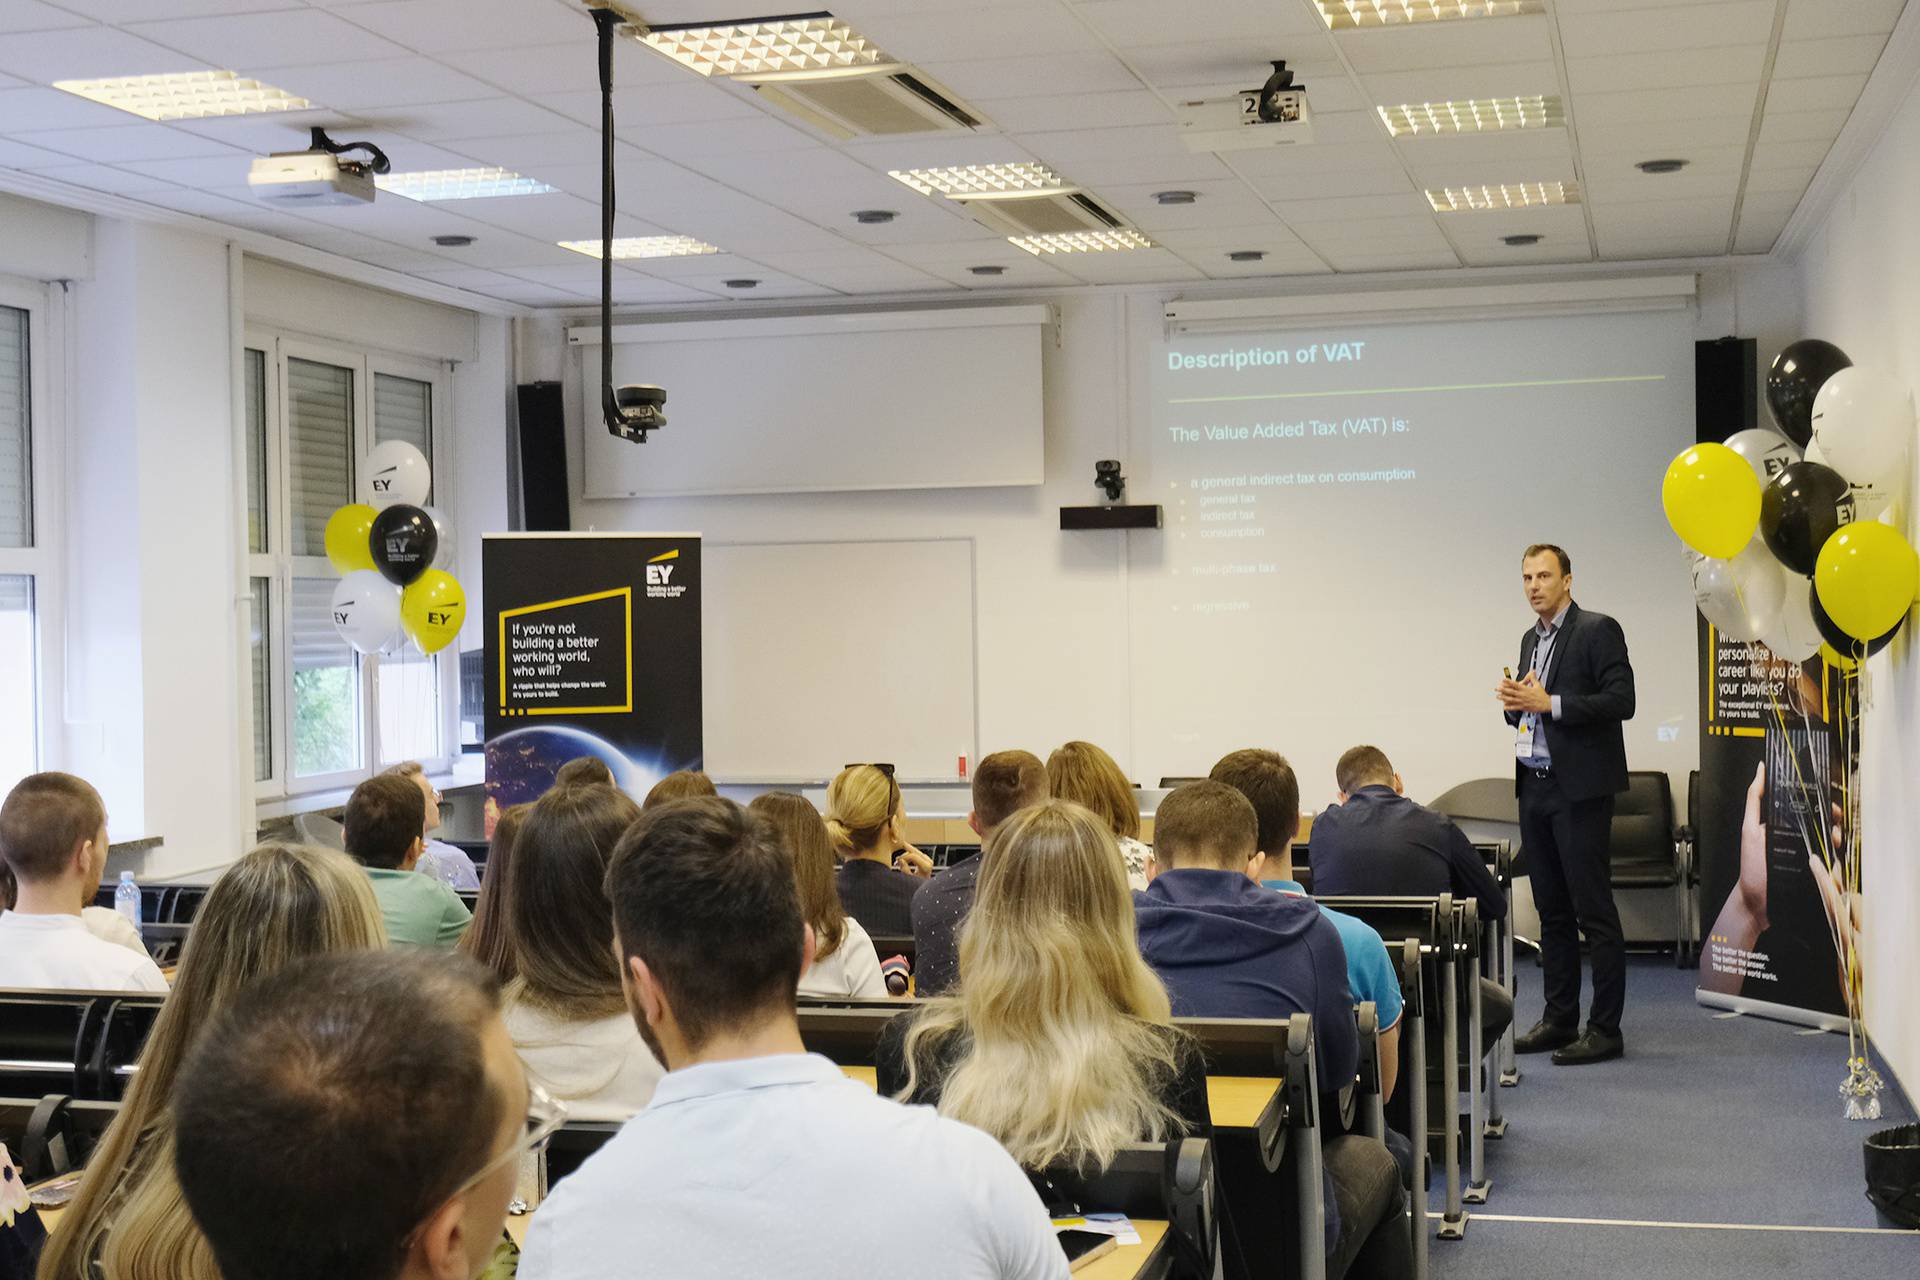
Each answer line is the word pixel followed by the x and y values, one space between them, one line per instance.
pixel 1271 236
pixel 1220 67
pixel 21 155
pixel 1666 69
pixel 1363 259
pixel 1076 111
pixel 145 141
pixel 1131 23
pixel 1815 93
pixel 638 108
pixel 694 142
pixel 101 177
pixel 1031 75
pixel 251 42
pixel 32 15
pixel 1668 104
pixel 1409 205
pixel 1820 19
pixel 889 278
pixel 1694 26
pixel 1441 84
pixel 1432 158
pixel 475 24
pixel 536 69
pixel 496 117
pixel 1791 178
pixel 1787 155
pixel 979 32
pixel 1803 126
pixel 222 173
pixel 381 82
pixel 261 135
pixel 1447 44
pixel 1223 203
pixel 1679 136
pixel 88 53
pixel 1833 56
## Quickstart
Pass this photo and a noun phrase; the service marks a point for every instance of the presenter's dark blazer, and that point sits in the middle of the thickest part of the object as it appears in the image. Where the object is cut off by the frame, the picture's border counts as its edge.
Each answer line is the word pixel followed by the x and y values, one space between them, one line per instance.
pixel 1589 671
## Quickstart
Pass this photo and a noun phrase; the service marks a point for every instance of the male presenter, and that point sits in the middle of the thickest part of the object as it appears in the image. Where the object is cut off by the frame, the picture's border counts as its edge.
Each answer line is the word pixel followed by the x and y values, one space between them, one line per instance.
pixel 1574 692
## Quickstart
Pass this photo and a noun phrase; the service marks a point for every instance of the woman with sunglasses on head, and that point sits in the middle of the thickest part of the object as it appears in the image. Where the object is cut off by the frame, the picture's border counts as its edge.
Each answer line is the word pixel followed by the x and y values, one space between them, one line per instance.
pixel 880 869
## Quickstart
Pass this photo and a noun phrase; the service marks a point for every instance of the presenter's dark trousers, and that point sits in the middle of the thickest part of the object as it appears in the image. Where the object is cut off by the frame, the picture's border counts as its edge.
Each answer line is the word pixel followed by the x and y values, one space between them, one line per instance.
pixel 1566 847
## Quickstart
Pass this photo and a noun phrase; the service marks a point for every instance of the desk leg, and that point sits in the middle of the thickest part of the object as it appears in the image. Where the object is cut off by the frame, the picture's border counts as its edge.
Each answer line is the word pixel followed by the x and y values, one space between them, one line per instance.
pixel 1509 1061
pixel 1453 1223
pixel 1417 1121
pixel 1478 1184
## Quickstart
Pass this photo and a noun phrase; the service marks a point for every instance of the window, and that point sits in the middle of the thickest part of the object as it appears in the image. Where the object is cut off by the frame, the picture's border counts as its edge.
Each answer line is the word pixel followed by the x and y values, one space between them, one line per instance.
pixel 323 716
pixel 29 583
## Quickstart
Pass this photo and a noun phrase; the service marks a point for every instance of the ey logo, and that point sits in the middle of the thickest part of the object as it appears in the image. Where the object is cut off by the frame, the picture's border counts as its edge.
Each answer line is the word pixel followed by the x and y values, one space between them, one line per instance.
pixel 440 617
pixel 383 483
pixel 657 574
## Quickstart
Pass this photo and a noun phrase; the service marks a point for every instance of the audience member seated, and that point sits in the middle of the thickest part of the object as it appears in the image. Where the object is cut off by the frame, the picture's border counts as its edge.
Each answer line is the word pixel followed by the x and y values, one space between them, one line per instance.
pixel 53 837
pixel 564 1008
pixel 746 1161
pixel 1376 841
pixel 357 1116
pixel 488 939
pixel 880 870
pixel 104 923
pixel 686 784
pixel 1227 947
pixel 1268 782
pixel 584 771
pixel 1004 783
pixel 1088 776
pixel 446 863
pixel 844 961
pixel 1058 1040
pixel 275 906
pixel 382 828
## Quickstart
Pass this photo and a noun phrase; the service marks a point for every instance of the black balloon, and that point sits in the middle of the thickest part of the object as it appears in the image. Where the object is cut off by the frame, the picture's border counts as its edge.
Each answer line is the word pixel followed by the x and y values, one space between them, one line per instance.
pixel 1842 642
pixel 404 543
pixel 1800 509
pixel 1794 378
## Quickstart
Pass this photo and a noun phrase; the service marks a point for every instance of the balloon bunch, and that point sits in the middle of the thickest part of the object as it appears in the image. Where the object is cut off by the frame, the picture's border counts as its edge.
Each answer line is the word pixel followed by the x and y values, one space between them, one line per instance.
pixel 1822 499
pixel 391 553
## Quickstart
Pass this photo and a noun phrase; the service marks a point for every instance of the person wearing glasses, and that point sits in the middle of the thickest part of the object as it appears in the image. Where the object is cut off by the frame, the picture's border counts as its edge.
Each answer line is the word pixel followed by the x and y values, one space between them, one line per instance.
pixel 278 905
pixel 449 864
pixel 743 1162
pixel 880 870
pixel 358 1115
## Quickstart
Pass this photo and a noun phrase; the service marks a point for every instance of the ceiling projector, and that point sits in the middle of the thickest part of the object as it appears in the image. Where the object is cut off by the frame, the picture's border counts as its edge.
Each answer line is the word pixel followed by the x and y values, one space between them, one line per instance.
pixel 318 176
pixel 1274 115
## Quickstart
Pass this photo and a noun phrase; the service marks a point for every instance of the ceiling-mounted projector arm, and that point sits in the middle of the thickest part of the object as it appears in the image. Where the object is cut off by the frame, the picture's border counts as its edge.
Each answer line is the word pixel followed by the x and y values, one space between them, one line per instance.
pixel 378 164
pixel 629 412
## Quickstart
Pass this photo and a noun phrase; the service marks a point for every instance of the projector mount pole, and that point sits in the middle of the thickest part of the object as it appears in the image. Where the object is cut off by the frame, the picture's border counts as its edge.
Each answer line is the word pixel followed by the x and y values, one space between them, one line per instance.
pixel 606 20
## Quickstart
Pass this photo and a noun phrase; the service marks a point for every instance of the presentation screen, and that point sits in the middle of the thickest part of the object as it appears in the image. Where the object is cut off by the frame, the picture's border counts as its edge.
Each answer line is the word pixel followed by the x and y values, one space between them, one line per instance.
pixel 1346 509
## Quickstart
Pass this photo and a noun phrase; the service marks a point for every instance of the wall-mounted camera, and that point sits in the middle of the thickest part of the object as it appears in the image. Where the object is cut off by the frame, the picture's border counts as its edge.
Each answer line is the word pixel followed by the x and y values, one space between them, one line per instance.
pixel 1106 475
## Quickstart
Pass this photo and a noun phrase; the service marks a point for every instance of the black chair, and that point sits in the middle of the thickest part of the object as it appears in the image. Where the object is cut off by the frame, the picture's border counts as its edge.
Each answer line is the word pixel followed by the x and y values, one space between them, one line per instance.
pixel 1499 858
pixel 184 904
pixel 54 1134
pixel 1687 838
pixel 44 1038
pixel 572 1143
pixel 847 1036
pixel 1644 849
pixel 1173 1181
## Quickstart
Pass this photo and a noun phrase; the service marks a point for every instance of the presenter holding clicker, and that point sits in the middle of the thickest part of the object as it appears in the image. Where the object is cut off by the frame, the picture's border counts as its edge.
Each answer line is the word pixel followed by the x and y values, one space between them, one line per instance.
pixel 1574 692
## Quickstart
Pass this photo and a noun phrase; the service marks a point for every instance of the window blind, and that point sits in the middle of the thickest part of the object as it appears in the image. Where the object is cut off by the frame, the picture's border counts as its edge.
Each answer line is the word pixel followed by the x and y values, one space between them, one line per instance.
pixel 16 455
pixel 403 410
pixel 256 450
pixel 260 646
pixel 320 451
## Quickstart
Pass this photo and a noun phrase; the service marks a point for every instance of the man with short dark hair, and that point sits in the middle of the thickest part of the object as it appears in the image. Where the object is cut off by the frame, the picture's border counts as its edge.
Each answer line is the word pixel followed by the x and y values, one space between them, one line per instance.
pixel 447 863
pixel 1003 784
pixel 53 837
pixel 359 1114
pixel 384 829
pixel 1570 760
pixel 1228 947
pixel 741 1164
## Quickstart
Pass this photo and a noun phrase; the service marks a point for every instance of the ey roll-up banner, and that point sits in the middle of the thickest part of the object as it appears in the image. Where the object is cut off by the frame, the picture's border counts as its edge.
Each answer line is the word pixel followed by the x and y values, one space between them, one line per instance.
pixel 593 649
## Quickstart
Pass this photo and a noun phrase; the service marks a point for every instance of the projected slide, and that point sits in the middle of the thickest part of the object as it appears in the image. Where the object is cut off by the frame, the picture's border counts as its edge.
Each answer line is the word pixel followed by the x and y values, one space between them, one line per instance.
pixel 1346 509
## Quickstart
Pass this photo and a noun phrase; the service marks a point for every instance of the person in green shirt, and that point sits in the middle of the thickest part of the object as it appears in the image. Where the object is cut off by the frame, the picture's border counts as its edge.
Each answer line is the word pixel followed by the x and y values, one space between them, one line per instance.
pixel 383 823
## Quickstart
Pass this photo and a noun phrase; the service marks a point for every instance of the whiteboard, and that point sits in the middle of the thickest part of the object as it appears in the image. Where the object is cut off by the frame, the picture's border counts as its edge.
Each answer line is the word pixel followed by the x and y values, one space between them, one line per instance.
pixel 799 681
pixel 932 399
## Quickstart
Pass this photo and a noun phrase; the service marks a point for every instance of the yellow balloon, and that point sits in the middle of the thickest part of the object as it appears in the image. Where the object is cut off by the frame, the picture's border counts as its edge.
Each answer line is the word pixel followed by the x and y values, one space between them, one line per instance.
pixel 432 609
pixel 1837 660
pixel 1712 500
pixel 350 538
pixel 1866 576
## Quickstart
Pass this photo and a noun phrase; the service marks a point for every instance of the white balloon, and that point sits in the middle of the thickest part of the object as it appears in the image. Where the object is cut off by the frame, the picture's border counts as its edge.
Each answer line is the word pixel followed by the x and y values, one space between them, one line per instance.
pixel 395 472
pixel 1794 634
pixel 366 610
pixel 1863 423
pixel 443 547
pixel 1812 454
pixel 1767 452
pixel 1741 597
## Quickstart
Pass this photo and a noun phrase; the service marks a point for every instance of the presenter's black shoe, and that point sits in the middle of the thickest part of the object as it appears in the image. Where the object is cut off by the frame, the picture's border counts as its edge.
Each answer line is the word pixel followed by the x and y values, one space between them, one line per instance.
pixel 1544 1036
pixel 1592 1046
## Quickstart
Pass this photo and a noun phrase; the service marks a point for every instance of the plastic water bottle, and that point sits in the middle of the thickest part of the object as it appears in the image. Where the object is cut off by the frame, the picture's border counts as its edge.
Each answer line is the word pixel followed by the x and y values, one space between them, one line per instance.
pixel 126 899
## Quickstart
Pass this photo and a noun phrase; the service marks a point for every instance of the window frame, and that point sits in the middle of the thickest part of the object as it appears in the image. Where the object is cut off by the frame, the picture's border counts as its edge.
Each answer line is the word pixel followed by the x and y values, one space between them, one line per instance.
pixel 281 567
pixel 47 323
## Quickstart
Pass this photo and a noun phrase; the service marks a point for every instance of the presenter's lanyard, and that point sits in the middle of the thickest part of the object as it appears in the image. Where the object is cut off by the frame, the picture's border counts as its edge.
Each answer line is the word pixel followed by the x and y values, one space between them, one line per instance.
pixel 1543 653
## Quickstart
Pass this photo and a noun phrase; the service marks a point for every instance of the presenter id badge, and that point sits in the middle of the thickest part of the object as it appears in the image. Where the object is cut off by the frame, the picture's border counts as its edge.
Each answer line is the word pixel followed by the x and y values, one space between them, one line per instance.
pixel 1523 738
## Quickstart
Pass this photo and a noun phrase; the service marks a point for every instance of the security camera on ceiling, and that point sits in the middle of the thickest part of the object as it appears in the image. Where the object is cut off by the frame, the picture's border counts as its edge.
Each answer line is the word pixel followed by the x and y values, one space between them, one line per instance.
pixel 1274 115
pixel 318 176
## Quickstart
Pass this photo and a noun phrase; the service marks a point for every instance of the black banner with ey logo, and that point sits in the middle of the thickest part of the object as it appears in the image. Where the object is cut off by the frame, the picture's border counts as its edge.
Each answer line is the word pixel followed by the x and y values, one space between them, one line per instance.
pixel 593 649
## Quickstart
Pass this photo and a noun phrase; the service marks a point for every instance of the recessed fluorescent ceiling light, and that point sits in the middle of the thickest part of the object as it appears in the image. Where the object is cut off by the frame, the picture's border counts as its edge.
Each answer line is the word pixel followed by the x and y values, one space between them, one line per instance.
pixel 186 95
pixel 1475 115
pixel 808 45
pixel 1511 195
pixel 1082 241
pixel 644 247
pixel 460 184
pixel 986 181
pixel 1392 13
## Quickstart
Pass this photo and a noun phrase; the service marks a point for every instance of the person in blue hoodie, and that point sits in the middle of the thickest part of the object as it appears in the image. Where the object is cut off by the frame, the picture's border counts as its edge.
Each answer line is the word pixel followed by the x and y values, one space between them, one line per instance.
pixel 1228 947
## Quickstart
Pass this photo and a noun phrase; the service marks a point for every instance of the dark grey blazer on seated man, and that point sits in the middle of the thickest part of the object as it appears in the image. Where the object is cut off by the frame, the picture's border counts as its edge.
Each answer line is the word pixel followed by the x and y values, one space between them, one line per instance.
pixel 1588 671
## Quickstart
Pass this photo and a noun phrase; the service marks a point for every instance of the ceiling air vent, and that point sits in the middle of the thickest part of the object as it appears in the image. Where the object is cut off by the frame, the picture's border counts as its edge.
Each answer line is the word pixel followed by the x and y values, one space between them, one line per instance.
pixel 1042 215
pixel 883 100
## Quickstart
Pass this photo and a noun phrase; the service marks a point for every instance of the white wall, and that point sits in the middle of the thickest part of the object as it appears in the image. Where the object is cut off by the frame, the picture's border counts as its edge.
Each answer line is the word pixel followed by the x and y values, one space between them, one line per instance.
pixel 1860 274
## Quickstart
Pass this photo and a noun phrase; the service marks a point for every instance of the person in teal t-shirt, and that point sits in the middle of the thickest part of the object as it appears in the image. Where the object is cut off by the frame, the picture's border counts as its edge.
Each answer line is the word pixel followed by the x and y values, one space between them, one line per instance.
pixel 383 823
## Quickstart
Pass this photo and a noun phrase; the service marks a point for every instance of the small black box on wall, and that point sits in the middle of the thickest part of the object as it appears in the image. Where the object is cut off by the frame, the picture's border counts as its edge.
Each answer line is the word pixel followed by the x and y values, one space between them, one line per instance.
pixel 1125 516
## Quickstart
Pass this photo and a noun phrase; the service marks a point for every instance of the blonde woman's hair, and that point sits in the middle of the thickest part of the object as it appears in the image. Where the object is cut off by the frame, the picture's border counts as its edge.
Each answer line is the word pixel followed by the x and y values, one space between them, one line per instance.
pixel 1086 775
pixel 279 903
pixel 861 800
pixel 804 836
pixel 1062 1032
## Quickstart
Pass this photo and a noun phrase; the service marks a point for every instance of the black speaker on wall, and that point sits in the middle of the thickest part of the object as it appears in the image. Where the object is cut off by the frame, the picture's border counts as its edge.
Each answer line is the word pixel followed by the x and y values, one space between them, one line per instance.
pixel 1725 388
pixel 543 459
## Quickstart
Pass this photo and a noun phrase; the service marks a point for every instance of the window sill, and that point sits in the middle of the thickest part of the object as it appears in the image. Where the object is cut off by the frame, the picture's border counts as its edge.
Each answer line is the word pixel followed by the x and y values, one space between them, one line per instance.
pixel 467 771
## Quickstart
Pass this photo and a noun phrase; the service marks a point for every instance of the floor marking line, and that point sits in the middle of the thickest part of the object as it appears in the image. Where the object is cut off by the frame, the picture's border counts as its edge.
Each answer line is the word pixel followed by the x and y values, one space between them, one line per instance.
pixel 1476 1216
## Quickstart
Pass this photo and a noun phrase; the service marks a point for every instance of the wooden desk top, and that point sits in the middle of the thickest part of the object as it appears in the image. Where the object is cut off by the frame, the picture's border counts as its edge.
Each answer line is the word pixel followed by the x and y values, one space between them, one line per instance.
pixel 1235 1102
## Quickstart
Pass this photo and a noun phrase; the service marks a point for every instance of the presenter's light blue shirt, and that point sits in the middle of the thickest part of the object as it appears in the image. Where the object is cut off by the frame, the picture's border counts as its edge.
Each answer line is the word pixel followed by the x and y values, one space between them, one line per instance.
pixel 1370 971
pixel 783 1167
pixel 1547 635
